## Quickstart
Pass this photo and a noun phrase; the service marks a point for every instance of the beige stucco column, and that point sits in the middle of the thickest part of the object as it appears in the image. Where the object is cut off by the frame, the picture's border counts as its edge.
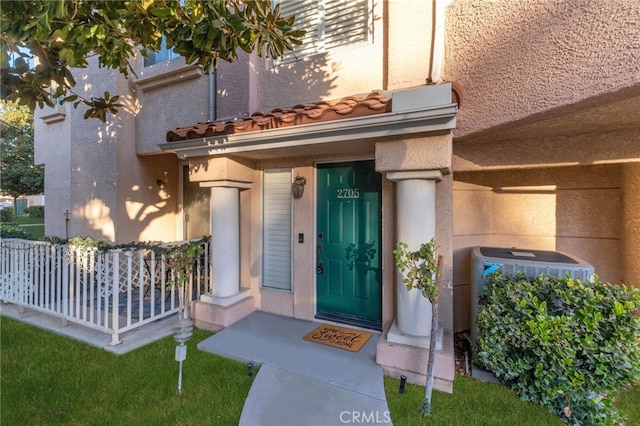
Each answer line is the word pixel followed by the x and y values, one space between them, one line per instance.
pixel 225 242
pixel 416 224
pixel 631 224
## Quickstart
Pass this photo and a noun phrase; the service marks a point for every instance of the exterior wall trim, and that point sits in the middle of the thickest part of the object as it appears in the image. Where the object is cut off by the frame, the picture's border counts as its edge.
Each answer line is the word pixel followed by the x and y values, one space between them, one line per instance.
pixel 167 78
pixel 432 119
pixel 427 175
pixel 225 184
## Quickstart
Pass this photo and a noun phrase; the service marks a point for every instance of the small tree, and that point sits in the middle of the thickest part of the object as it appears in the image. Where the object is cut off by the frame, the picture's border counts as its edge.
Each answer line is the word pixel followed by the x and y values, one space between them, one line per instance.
pixel 19 175
pixel 422 272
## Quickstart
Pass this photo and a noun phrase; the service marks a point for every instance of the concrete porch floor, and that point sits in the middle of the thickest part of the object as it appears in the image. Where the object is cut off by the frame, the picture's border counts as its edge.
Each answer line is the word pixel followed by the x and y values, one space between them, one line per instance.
pixel 302 382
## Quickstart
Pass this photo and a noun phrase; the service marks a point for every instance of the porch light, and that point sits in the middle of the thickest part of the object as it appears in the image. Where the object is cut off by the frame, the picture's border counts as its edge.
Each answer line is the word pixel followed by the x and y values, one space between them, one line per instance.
pixel 160 183
pixel 297 187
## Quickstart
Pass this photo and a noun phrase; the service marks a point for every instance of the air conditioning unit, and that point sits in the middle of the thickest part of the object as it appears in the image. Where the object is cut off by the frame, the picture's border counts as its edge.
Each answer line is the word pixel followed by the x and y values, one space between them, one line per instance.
pixel 485 260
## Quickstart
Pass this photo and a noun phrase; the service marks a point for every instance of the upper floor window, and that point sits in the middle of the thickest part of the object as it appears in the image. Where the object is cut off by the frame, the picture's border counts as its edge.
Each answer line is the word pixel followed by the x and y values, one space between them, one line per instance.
pixel 163 55
pixel 329 24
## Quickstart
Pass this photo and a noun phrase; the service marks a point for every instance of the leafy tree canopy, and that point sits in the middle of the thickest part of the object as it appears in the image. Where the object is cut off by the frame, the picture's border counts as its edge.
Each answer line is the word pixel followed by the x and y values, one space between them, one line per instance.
pixel 62 34
pixel 18 174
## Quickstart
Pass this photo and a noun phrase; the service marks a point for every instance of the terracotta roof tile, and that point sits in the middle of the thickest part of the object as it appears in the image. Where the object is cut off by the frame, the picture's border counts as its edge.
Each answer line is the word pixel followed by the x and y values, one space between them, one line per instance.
pixel 349 107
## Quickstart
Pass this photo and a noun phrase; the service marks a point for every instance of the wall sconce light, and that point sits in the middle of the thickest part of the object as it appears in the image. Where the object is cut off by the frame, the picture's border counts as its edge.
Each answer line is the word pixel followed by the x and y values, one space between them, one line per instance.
pixel 297 187
pixel 160 183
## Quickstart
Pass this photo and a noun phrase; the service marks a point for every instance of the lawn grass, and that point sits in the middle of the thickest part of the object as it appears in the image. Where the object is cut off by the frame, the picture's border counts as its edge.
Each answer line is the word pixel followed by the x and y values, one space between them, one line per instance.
pixel 475 403
pixel 628 402
pixel 35 225
pixel 49 379
pixel 26 220
pixel 472 403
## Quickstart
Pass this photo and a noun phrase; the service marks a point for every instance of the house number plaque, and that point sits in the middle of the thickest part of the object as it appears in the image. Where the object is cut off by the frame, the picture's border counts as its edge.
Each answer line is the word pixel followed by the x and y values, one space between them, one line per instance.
pixel 348 193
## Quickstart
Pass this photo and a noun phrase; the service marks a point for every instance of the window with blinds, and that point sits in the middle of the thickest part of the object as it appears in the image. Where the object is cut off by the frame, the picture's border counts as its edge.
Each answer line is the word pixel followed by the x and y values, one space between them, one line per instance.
pixel 330 24
pixel 276 250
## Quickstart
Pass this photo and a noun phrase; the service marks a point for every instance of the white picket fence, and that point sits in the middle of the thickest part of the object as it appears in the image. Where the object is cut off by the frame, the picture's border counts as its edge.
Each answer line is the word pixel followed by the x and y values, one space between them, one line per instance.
pixel 111 291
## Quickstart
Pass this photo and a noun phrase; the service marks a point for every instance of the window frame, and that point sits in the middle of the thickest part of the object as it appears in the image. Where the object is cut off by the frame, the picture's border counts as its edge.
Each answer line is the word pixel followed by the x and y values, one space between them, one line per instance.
pixel 321 34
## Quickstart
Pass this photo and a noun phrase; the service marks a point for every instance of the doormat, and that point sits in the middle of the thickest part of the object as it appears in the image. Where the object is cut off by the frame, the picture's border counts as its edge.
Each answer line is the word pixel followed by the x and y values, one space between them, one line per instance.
pixel 339 337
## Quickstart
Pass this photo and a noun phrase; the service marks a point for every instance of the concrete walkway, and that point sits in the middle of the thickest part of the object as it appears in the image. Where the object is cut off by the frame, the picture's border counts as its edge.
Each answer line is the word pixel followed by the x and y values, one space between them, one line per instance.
pixel 131 340
pixel 302 382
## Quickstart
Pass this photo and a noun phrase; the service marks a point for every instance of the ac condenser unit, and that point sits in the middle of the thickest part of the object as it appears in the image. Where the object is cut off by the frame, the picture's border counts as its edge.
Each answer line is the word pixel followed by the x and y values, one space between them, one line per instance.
pixel 485 260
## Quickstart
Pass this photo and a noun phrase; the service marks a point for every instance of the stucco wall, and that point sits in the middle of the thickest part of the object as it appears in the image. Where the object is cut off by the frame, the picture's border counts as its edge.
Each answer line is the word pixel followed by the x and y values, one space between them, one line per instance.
pixel 512 59
pixel 52 144
pixel 576 210
pixel 92 169
pixel 394 58
pixel 167 95
pixel 631 223
pixel 92 186
pixel 325 76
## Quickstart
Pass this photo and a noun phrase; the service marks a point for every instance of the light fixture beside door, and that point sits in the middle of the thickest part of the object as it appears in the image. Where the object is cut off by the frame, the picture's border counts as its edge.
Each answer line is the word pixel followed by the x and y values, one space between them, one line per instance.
pixel 297 187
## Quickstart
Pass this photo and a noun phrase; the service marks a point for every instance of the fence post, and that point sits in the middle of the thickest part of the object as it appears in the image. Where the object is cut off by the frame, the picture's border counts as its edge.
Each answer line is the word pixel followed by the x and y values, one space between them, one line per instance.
pixel 19 280
pixel 3 272
pixel 115 299
pixel 65 284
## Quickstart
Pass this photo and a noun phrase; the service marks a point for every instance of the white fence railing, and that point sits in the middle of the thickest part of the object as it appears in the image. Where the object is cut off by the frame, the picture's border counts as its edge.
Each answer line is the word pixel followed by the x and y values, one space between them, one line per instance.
pixel 111 291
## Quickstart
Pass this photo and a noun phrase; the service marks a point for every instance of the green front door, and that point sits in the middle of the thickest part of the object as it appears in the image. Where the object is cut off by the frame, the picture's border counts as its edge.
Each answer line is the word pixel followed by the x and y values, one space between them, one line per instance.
pixel 348 272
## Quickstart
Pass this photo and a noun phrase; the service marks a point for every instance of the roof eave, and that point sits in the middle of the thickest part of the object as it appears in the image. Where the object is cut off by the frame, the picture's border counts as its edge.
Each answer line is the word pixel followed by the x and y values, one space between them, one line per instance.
pixel 438 118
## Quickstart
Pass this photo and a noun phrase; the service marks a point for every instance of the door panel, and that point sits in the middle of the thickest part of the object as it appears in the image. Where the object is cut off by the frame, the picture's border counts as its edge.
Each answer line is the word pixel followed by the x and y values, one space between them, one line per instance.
pixel 348 238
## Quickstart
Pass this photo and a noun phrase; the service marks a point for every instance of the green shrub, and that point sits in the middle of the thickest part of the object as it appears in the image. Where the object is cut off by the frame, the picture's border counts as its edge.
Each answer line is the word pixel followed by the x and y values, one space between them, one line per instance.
pixel 13 230
pixel 566 344
pixel 35 211
pixel 7 214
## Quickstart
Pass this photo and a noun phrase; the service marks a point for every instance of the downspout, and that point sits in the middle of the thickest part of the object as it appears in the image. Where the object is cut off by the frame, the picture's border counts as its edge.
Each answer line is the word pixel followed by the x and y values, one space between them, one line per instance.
pixel 437 41
pixel 212 96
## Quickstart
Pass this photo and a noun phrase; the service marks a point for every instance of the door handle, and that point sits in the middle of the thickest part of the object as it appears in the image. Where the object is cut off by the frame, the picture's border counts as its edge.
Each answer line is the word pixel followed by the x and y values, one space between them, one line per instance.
pixel 319 248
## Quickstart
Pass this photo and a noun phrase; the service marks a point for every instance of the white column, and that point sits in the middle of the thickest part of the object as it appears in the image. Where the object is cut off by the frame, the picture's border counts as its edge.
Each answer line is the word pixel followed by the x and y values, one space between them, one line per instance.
pixel 225 242
pixel 416 225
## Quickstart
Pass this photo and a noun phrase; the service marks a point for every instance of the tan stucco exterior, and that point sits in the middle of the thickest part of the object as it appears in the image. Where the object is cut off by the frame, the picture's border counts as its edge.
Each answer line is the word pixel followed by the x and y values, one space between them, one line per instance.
pixel 92 170
pixel 541 54
pixel 542 152
pixel 547 129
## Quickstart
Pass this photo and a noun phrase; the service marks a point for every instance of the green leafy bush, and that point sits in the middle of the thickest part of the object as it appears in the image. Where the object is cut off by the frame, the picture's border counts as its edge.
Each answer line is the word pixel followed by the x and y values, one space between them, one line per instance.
pixel 35 211
pixel 13 230
pixel 7 214
pixel 566 344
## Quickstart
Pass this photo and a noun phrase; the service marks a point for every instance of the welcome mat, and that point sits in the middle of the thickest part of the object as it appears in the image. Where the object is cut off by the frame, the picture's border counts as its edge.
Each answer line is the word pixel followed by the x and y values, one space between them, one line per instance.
pixel 339 337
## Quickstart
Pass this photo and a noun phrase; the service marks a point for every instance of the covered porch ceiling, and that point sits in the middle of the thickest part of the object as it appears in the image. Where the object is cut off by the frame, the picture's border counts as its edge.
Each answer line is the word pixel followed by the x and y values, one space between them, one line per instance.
pixel 600 130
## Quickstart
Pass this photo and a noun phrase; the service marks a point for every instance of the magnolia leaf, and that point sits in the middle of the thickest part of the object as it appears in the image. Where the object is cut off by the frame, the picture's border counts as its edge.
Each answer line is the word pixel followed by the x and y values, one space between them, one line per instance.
pixel 65 34
pixel 68 99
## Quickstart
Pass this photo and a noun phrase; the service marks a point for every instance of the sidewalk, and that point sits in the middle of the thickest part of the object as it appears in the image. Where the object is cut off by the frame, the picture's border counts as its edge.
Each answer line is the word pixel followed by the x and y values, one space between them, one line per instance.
pixel 301 382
